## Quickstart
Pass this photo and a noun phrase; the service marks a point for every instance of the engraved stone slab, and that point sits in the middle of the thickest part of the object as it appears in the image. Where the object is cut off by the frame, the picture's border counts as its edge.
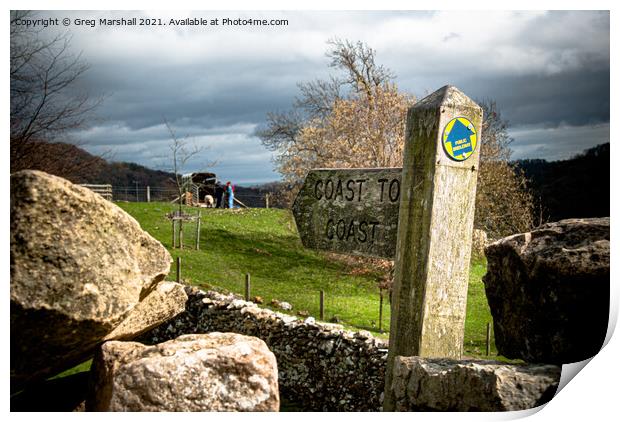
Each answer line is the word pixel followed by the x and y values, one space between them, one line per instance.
pixel 350 210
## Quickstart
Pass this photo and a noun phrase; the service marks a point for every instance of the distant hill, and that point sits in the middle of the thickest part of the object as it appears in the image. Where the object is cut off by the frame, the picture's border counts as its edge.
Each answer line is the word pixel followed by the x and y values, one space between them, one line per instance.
pixel 126 174
pixel 575 188
pixel 79 166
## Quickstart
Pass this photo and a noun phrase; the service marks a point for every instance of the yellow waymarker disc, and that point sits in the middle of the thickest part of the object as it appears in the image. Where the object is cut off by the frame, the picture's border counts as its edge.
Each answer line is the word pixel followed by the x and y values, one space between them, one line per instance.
pixel 459 139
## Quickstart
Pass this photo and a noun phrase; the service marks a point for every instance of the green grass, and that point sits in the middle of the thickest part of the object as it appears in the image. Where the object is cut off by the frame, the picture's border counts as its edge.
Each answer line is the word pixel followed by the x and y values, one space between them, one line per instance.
pixel 82 367
pixel 265 244
pixel 478 314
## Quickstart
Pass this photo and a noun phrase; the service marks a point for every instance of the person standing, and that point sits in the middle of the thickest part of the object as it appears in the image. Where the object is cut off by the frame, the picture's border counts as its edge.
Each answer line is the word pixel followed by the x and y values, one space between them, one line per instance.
pixel 231 195
pixel 219 193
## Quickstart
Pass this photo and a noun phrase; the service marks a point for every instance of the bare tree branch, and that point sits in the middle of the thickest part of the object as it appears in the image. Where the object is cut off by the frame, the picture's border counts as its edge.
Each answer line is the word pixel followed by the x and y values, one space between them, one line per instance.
pixel 44 103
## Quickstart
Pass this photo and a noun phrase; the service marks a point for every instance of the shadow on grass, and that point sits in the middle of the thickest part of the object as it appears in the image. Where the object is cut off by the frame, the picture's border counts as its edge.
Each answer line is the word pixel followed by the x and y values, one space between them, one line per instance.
pixel 54 395
pixel 273 257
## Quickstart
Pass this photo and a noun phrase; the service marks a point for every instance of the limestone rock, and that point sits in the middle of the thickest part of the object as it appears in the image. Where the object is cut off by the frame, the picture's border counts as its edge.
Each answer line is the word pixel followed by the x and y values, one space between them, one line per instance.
pixel 423 384
pixel 286 306
pixel 549 291
pixel 479 241
pixel 79 266
pixel 165 302
pixel 194 372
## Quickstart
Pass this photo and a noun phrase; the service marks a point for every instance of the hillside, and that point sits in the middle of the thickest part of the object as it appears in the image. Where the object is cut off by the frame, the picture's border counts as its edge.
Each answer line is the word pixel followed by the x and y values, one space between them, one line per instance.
pixel 574 188
pixel 79 166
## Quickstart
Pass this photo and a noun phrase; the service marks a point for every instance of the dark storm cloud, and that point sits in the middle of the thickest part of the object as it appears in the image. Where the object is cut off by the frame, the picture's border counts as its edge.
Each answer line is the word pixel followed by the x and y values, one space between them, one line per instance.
pixel 547 71
pixel 558 143
pixel 204 96
pixel 579 97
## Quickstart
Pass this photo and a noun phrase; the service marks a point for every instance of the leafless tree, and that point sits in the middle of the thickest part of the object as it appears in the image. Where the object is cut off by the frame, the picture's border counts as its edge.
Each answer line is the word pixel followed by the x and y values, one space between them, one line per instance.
pixel 504 200
pixel 182 151
pixel 44 101
pixel 360 75
pixel 359 63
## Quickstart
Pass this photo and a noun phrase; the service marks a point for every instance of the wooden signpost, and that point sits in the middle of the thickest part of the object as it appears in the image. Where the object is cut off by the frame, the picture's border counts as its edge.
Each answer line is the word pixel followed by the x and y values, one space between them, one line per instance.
pixel 436 218
pixel 425 223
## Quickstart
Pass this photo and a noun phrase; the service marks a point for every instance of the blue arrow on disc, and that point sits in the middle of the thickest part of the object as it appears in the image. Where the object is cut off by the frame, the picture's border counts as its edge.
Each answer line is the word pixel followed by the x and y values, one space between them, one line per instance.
pixel 460 131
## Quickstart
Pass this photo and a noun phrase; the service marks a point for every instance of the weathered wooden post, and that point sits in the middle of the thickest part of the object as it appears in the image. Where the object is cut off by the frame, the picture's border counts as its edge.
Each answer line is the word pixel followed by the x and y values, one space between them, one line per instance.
pixel 247 287
pixel 267 200
pixel 148 194
pixel 180 232
pixel 198 231
pixel 178 269
pixel 322 305
pixel 174 233
pixel 380 310
pixel 436 215
pixel 488 338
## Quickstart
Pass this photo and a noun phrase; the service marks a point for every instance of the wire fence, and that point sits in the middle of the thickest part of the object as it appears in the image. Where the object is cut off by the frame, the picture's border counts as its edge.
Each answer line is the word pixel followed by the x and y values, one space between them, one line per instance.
pixel 368 312
pixel 166 194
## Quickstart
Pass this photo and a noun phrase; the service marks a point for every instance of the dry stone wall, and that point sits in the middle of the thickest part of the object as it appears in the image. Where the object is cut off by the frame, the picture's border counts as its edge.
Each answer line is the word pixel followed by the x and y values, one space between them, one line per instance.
pixel 325 367
pixel 320 366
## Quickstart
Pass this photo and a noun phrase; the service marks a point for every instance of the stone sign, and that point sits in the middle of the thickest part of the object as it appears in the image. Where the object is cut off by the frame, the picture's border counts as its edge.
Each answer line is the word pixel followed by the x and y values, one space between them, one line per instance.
pixel 350 210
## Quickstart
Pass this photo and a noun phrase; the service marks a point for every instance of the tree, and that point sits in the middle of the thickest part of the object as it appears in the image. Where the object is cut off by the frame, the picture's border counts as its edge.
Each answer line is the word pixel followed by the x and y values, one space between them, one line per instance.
pixel 44 102
pixel 181 153
pixel 353 120
pixel 504 202
pixel 358 120
pixel 358 132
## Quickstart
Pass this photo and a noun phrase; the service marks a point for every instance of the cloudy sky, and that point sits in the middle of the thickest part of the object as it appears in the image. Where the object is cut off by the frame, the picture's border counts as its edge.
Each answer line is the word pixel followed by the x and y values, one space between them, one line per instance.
pixel 547 71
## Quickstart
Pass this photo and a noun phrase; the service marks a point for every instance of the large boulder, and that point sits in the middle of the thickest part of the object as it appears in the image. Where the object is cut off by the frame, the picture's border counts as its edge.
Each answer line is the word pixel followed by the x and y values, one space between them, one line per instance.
pixel 194 372
pixel 549 291
pixel 79 266
pixel 422 384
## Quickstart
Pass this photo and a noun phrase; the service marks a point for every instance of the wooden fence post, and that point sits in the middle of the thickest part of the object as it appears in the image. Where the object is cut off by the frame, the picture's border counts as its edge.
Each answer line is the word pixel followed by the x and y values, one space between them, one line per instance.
pixel 198 231
pixel 380 311
pixel 247 287
pixel 180 233
pixel 174 233
pixel 322 305
pixel 178 269
pixel 148 194
pixel 436 215
pixel 488 338
pixel 267 200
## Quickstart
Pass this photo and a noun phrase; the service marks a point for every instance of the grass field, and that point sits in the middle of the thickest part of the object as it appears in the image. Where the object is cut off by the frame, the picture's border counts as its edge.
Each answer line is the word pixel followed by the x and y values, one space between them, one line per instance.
pixel 265 244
